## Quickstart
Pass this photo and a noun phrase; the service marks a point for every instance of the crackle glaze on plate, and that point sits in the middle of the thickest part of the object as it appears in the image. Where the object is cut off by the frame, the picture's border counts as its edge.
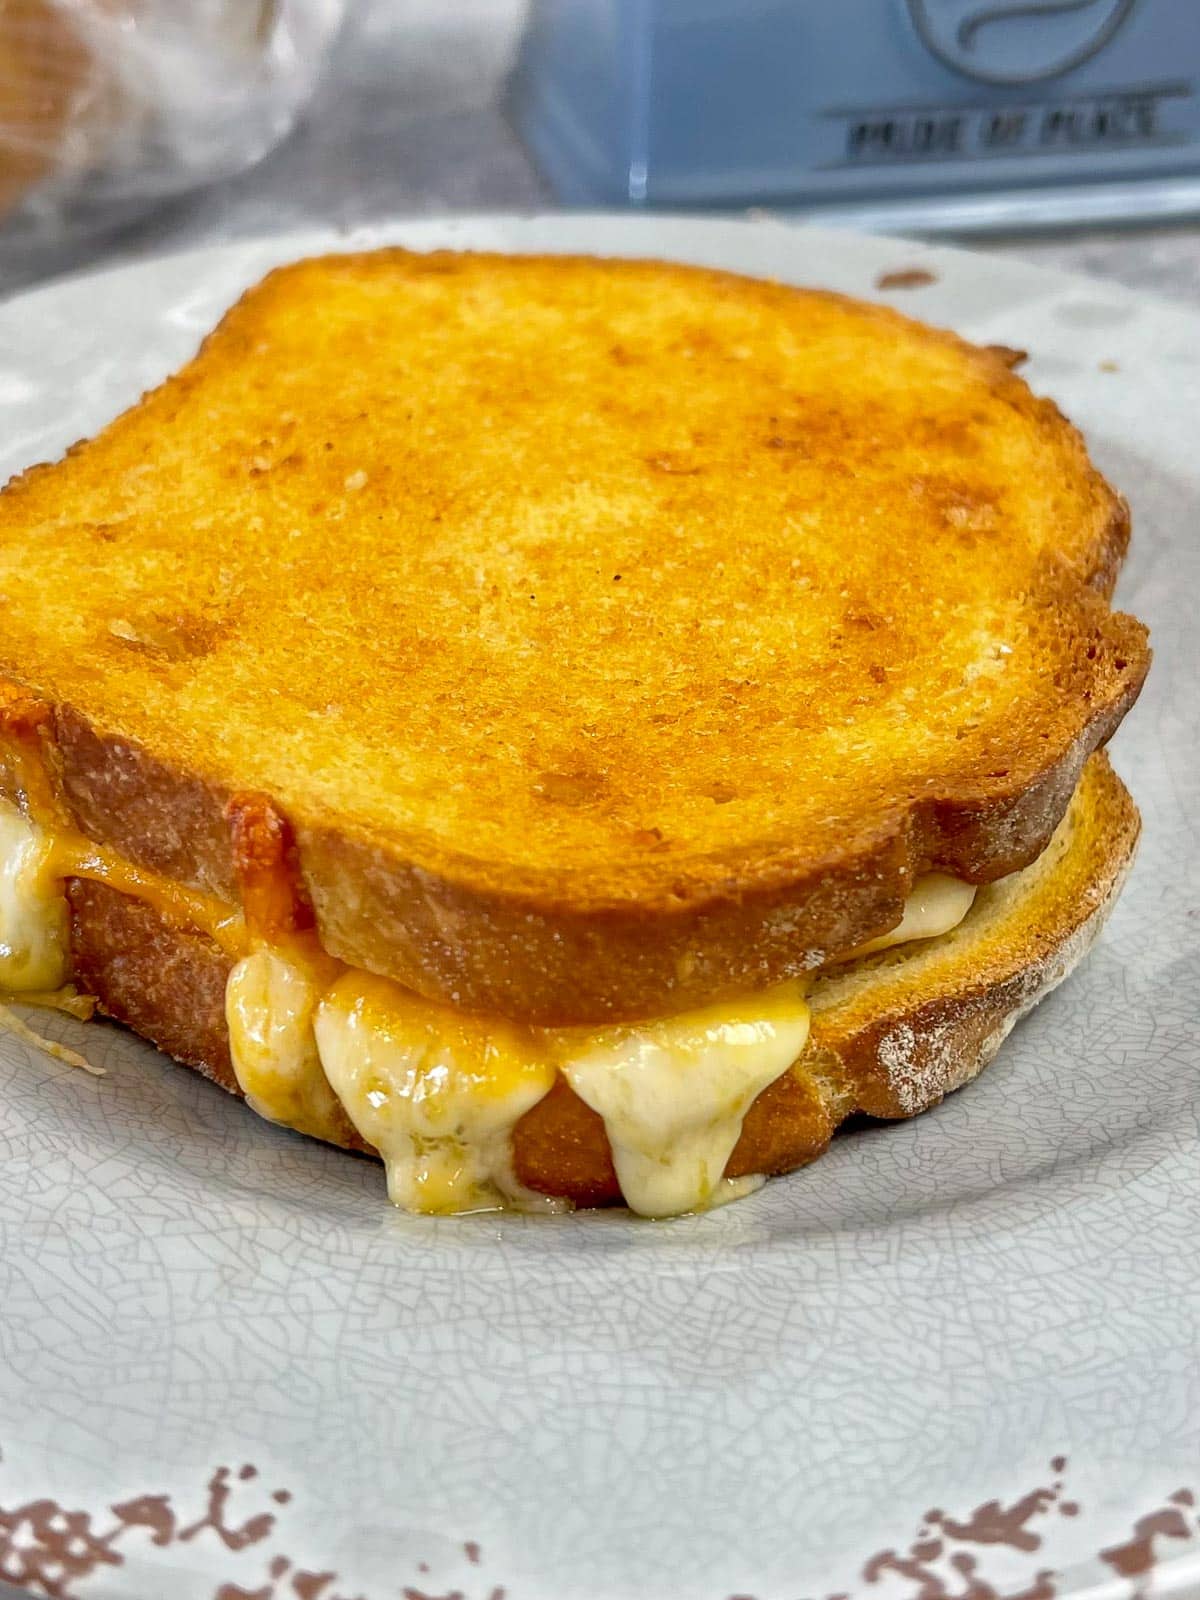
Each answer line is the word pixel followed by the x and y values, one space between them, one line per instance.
pixel 956 1357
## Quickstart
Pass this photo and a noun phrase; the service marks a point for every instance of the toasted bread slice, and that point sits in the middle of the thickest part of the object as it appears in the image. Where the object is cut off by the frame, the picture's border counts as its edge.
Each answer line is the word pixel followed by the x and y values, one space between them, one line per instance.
pixel 615 636
pixel 891 1034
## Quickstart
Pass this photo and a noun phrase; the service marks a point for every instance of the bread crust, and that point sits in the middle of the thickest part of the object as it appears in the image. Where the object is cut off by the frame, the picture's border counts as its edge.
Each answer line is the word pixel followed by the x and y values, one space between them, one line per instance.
pixel 517 955
pixel 891 1035
pixel 642 900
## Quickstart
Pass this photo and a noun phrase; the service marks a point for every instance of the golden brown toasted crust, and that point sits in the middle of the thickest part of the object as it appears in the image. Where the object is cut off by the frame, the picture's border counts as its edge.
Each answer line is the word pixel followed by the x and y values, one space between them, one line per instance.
pixel 891 1035
pixel 613 636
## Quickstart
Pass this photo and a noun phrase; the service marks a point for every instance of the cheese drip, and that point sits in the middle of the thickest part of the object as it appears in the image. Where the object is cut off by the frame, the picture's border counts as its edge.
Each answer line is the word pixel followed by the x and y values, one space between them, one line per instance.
pixel 318 1046
pixel 673 1092
pixel 437 1092
pixel 271 999
pixel 34 921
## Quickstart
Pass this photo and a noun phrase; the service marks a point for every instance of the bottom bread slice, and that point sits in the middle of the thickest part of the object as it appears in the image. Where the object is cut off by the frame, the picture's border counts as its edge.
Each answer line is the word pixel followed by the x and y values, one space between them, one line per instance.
pixel 891 1033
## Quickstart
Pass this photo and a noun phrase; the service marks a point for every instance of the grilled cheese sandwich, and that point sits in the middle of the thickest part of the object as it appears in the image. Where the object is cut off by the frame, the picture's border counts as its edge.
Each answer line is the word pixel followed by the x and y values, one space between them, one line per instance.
pixel 578 747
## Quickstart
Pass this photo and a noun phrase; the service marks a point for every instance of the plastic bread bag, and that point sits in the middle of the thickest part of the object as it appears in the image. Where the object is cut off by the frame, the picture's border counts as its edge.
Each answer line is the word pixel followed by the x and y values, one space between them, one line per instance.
pixel 107 106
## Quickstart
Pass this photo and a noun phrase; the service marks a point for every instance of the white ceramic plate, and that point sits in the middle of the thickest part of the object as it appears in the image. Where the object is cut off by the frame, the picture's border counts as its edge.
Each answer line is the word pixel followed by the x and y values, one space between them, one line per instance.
pixel 956 1357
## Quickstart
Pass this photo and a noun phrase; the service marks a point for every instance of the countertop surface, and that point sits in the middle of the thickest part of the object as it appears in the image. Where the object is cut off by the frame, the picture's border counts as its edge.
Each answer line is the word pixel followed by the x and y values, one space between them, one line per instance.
pixel 407 121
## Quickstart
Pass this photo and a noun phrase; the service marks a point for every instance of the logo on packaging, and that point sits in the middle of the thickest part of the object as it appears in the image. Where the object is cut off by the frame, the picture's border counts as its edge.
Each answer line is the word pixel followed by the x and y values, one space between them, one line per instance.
pixel 1016 41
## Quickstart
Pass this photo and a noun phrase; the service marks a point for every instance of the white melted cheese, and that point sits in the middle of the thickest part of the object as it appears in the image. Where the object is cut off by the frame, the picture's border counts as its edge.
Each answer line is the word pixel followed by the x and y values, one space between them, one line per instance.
pixel 937 904
pixel 271 1000
pixel 34 920
pixel 673 1092
pixel 437 1092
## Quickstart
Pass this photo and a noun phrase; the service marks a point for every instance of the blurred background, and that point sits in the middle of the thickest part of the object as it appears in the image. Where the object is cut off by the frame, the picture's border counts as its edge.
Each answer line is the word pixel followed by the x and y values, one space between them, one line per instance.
pixel 1063 130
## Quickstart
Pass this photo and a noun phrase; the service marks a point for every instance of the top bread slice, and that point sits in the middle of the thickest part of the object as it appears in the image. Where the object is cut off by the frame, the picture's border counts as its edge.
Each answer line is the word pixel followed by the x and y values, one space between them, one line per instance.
pixel 613 635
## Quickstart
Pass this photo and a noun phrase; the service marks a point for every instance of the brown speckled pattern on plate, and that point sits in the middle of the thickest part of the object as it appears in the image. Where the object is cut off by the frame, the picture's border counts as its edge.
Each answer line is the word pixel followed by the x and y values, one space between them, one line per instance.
pixel 765 1401
pixel 58 1552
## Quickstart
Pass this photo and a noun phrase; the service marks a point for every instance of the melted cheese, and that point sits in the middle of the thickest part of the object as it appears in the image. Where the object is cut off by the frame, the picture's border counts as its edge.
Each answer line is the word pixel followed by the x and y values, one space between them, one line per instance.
pixel 34 921
pixel 437 1092
pixel 673 1092
pixel 937 904
pixel 33 864
pixel 271 999
pixel 73 856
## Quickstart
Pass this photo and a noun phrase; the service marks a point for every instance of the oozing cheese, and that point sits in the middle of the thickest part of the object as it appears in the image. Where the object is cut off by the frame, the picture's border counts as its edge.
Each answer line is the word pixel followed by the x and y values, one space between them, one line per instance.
pixel 271 1000
pixel 937 904
pixel 34 921
pixel 673 1092
pixel 438 1092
